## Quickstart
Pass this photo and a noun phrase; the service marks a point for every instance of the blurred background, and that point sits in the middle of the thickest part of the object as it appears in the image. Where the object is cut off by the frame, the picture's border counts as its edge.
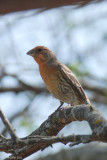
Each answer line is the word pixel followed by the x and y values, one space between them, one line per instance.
pixel 78 38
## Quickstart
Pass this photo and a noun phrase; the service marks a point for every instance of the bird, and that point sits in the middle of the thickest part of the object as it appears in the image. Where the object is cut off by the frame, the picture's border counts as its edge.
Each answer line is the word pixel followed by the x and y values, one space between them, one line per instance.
pixel 58 78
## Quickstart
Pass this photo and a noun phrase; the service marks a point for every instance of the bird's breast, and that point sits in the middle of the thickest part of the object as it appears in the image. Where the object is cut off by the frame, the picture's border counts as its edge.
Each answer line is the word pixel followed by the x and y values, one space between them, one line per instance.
pixel 49 76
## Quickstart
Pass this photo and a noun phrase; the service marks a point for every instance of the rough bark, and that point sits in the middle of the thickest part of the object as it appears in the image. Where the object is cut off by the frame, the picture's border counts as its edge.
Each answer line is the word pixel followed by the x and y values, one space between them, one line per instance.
pixel 45 135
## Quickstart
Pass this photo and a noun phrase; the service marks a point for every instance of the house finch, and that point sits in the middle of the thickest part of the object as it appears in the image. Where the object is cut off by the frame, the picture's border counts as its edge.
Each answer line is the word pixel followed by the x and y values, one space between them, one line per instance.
pixel 58 78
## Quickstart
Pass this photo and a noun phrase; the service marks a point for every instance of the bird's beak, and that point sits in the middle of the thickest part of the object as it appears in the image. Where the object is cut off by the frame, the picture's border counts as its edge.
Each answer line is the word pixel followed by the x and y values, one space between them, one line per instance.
pixel 31 52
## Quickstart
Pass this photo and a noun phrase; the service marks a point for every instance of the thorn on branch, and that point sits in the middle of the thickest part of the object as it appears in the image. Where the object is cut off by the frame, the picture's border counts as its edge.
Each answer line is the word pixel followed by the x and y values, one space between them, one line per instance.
pixel 44 147
pixel 75 143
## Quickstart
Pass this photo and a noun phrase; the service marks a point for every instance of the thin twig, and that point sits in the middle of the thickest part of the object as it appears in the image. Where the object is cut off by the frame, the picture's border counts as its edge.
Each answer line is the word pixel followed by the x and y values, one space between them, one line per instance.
pixel 8 126
pixel 18 114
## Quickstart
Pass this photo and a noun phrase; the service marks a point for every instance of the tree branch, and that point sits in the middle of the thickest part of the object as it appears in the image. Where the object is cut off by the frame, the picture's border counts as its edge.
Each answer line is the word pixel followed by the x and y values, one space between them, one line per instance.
pixel 18 89
pixel 13 117
pixel 99 94
pixel 49 140
pixel 8 126
pixel 20 5
pixel 38 139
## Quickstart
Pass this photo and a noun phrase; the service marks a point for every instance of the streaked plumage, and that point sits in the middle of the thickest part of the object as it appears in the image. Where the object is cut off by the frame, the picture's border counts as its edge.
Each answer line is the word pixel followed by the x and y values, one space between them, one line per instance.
pixel 59 79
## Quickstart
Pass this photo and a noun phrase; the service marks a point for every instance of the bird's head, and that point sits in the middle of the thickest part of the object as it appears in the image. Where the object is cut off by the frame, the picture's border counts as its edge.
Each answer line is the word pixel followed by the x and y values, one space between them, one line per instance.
pixel 41 54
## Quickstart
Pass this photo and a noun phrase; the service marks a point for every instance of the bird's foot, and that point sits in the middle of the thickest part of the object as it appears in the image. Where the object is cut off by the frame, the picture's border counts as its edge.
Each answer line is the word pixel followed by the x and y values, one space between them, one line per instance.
pixel 59 106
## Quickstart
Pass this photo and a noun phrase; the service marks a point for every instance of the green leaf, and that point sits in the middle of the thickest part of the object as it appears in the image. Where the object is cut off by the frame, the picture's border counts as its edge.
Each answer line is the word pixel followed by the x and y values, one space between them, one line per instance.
pixel 78 69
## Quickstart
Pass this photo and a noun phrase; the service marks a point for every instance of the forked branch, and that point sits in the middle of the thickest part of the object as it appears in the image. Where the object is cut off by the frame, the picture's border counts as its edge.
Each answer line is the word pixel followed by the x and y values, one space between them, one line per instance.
pixel 45 135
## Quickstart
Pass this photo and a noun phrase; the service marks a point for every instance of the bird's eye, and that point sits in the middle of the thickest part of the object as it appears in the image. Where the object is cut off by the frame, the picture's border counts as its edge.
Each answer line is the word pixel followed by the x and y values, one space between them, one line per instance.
pixel 39 49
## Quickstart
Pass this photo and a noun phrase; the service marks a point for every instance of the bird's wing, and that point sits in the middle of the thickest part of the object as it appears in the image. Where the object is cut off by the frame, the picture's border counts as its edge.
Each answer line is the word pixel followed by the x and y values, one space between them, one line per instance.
pixel 72 80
